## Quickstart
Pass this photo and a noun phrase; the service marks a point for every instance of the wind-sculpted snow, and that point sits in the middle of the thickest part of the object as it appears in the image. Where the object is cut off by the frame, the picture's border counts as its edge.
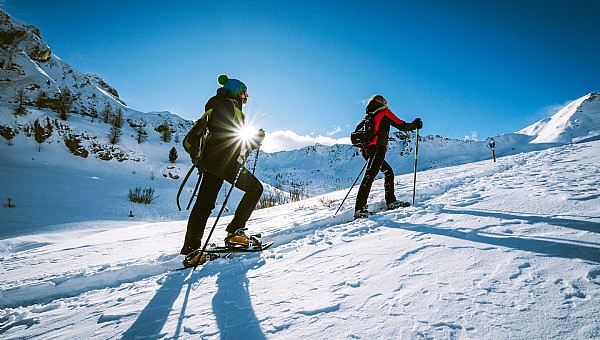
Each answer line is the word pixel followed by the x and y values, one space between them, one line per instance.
pixel 490 250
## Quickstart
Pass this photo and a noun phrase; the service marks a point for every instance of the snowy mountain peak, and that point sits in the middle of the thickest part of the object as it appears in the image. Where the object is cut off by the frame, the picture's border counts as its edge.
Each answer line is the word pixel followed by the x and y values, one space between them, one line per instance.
pixel 28 68
pixel 21 37
pixel 38 86
pixel 578 121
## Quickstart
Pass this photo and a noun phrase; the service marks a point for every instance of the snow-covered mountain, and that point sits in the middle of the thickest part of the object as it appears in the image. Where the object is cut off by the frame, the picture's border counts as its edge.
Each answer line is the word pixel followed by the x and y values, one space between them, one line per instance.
pixel 49 89
pixel 576 122
pixel 28 63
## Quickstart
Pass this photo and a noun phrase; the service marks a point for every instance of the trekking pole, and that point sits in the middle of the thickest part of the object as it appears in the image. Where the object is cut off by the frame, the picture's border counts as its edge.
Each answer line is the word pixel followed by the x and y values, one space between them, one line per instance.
pixel 356 180
pixel 183 184
pixel 195 191
pixel 416 158
pixel 256 159
pixel 237 176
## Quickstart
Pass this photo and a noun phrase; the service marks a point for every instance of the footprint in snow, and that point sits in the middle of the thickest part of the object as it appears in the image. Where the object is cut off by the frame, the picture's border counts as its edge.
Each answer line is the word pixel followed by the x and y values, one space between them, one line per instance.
pixel 594 276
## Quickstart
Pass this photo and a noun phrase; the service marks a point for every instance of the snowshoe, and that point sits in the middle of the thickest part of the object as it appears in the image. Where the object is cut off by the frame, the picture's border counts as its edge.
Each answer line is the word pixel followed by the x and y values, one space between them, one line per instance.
pixel 239 239
pixel 364 213
pixel 397 204
pixel 238 249
pixel 194 259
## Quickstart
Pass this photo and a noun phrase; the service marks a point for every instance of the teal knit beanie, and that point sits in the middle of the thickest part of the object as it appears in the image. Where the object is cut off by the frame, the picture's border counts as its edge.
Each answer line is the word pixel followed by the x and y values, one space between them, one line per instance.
pixel 233 85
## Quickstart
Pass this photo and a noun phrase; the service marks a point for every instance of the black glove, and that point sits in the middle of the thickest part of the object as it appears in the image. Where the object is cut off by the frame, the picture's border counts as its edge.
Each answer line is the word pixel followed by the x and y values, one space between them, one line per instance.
pixel 417 124
pixel 260 136
pixel 257 139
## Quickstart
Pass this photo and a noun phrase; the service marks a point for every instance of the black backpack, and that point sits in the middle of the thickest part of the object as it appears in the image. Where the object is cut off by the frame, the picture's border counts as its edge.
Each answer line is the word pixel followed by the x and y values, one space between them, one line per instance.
pixel 364 132
pixel 194 141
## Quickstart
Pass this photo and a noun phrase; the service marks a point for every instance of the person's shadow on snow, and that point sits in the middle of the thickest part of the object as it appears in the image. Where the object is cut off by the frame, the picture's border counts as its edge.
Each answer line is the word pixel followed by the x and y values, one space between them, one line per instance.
pixel 152 318
pixel 232 305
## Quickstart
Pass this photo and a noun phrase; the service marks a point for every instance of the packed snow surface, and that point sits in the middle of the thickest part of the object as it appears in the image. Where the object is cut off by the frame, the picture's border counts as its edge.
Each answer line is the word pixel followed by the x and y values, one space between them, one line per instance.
pixel 489 251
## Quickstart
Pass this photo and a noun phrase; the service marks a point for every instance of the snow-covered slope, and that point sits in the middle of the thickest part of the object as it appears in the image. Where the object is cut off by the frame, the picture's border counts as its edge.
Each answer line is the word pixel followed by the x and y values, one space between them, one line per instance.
pixel 578 121
pixel 490 251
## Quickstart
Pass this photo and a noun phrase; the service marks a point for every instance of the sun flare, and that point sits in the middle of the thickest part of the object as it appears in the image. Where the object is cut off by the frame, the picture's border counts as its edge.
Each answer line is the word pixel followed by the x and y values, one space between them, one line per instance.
pixel 246 133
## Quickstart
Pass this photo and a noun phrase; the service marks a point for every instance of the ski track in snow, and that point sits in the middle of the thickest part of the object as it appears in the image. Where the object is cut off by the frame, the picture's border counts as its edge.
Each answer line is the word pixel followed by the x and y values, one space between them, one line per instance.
pixel 466 261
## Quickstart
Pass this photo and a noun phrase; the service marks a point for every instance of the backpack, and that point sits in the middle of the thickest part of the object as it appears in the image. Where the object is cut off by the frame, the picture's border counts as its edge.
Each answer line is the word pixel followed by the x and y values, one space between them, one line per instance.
pixel 194 140
pixel 193 143
pixel 364 132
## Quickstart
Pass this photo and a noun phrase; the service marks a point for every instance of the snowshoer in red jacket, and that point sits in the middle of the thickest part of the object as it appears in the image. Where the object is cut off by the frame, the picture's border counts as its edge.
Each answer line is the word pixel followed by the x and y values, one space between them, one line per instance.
pixel 375 151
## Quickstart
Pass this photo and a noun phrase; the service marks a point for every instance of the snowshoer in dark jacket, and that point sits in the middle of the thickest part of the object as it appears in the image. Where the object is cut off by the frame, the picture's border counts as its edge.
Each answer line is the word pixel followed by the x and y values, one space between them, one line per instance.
pixel 221 162
pixel 375 152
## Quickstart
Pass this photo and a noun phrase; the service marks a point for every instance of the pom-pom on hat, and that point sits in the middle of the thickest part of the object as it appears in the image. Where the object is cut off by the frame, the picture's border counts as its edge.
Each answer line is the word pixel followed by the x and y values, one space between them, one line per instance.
pixel 233 85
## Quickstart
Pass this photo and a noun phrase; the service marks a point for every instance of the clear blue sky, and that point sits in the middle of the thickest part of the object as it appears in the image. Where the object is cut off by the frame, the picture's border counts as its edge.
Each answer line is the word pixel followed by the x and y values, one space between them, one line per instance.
pixel 464 67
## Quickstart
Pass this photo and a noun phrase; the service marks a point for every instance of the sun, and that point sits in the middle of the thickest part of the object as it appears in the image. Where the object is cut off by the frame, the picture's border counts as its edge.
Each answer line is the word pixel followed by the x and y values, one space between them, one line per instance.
pixel 246 133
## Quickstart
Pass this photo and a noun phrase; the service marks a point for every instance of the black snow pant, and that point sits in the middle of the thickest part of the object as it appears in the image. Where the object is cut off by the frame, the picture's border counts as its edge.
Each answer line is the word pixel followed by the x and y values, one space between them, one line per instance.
pixel 375 157
pixel 207 196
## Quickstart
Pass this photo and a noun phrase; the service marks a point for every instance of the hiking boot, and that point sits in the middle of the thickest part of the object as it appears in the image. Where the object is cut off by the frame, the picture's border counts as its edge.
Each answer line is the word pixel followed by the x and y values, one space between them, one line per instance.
pixel 364 213
pixel 194 259
pixel 397 204
pixel 186 250
pixel 240 239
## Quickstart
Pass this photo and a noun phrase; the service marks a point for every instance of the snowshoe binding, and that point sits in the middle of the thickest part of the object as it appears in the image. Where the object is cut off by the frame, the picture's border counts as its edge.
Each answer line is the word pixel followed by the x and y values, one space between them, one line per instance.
pixel 194 259
pixel 239 239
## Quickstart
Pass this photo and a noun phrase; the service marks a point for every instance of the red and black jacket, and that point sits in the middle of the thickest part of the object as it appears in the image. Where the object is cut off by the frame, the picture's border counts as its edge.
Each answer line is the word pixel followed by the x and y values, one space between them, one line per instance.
pixel 383 119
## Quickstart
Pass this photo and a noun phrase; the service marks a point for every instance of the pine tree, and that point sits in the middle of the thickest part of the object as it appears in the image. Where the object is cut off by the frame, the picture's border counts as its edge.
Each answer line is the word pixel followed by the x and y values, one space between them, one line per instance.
pixel 165 132
pixel 21 110
pixel 166 136
pixel 114 136
pixel 117 119
pixel 39 133
pixel 40 99
pixel 65 102
pixel 173 155
pixel 106 113
pixel 141 135
pixel 93 113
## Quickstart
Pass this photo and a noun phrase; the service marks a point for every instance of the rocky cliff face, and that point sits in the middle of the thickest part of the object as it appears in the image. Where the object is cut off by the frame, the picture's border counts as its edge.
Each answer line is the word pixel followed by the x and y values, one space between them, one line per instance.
pixel 28 67
pixel 16 36
pixel 75 109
